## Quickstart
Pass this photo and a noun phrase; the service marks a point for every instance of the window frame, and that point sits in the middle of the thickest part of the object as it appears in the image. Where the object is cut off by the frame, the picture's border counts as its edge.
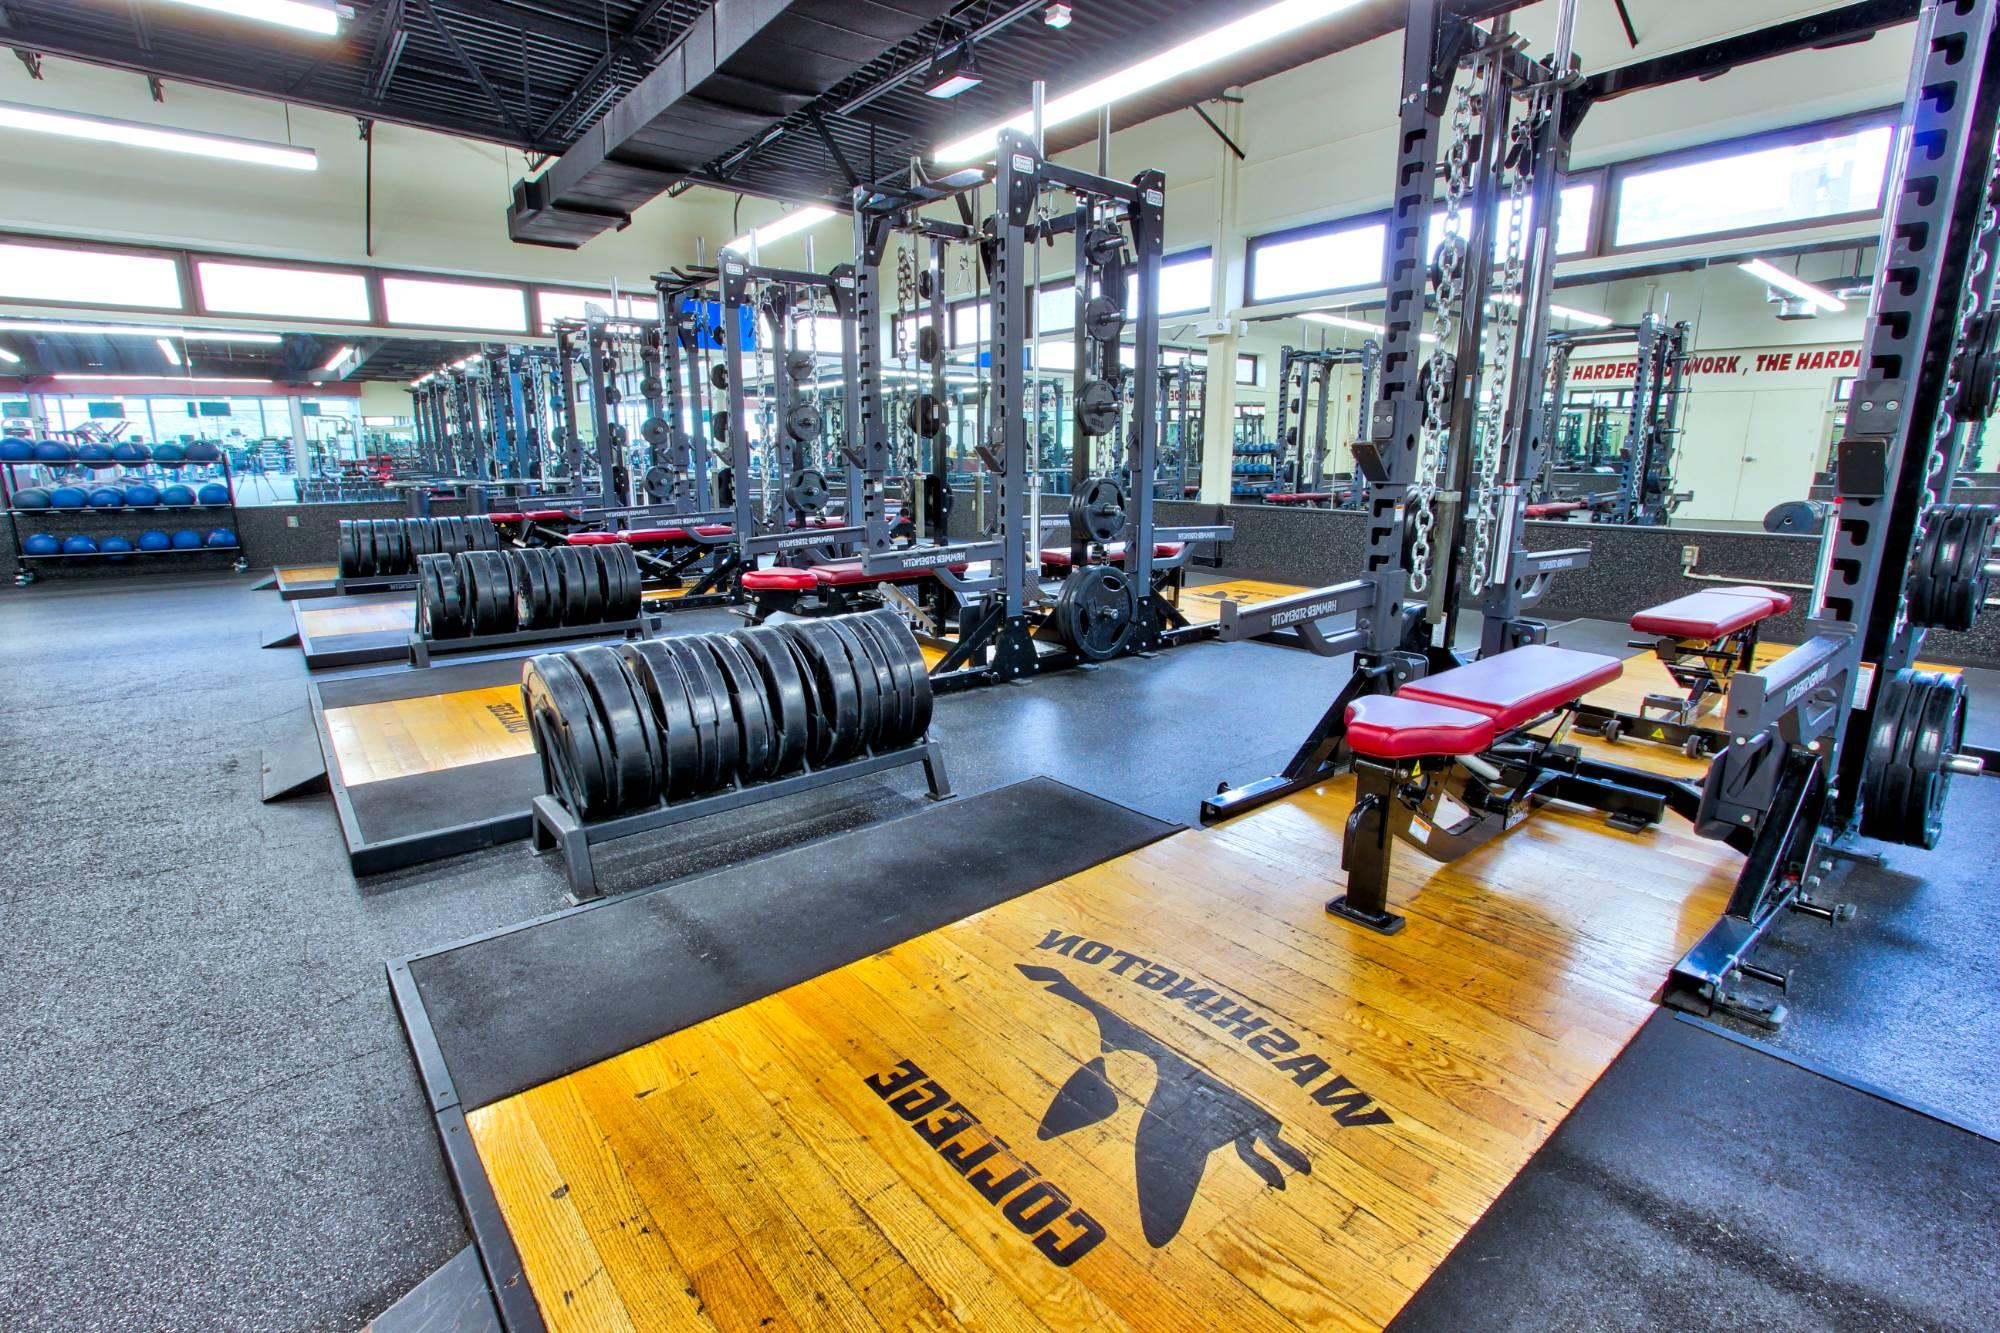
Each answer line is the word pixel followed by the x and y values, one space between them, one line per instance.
pixel 1312 231
pixel 197 303
pixel 183 274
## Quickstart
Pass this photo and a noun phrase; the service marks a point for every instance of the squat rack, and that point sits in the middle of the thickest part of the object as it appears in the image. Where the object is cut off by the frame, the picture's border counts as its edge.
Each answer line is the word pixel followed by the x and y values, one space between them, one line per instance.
pixel 1645 495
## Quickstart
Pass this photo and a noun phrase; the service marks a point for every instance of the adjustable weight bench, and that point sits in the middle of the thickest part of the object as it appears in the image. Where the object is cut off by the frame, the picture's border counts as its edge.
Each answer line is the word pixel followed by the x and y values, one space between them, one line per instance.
pixel 831 586
pixel 1446 764
pixel 1704 639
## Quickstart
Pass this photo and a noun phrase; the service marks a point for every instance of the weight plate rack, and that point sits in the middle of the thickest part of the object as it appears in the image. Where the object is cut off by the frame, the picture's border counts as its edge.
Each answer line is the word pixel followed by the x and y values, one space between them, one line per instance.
pixel 477 600
pixel 375 554
pixel 640 736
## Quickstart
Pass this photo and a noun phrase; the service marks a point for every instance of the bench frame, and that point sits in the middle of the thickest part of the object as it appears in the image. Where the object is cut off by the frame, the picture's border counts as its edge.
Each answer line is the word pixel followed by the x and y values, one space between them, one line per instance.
pixel 1703 668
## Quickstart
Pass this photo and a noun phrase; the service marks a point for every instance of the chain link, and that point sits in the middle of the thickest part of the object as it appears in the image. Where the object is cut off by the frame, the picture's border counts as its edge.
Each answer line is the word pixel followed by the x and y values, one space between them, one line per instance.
pixel 1450 271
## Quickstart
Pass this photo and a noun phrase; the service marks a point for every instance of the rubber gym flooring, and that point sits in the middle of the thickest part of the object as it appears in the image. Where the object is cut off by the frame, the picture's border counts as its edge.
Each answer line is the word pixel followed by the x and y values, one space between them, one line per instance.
pixel 210 1119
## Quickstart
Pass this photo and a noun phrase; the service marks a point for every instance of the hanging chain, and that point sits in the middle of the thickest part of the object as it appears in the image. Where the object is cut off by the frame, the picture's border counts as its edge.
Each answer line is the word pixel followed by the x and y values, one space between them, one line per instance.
pixel 906 299
pixel 1450 272
pixel 1489 436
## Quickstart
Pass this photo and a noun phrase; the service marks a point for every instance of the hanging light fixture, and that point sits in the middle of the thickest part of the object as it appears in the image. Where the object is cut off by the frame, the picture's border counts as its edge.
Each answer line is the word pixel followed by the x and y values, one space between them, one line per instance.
pixel 953 74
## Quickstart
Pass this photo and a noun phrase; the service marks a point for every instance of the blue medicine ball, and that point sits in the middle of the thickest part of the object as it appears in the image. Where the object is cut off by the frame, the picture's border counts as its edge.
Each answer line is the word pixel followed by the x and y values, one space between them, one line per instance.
pixel 141 496
pixel 130 452
pixel 214 493
pixel 187 539
pixel 68 497
pixel 168 455
pixel 52 451
pixel 222 537
pixel 94 455
pixel 40 543
pixel 202 451
pixel 154 540
pixel 16 449
pixel 177 497
pixel 32 497
pixel 79 545
pixel 106 497
pixel 118 548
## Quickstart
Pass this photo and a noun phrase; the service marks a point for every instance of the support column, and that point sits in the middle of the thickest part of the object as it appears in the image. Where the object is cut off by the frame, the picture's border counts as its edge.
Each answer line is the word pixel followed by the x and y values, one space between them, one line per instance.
pixel 1226 293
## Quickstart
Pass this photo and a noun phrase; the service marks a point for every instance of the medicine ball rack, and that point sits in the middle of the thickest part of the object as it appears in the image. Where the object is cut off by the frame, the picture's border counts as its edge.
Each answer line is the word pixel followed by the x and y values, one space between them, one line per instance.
pixel 25 573
pixel 645 736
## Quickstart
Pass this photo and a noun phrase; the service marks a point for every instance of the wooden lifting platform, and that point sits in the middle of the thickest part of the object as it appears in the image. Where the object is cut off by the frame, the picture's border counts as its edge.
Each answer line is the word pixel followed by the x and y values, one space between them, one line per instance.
pixel 1164 1092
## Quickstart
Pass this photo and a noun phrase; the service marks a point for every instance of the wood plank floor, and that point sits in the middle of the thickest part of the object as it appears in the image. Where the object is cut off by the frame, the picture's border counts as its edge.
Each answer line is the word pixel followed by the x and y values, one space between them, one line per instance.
pixel 329 622
pixel 427 733
pixel 1202 602
pixel 297 574
pixel 1018 1121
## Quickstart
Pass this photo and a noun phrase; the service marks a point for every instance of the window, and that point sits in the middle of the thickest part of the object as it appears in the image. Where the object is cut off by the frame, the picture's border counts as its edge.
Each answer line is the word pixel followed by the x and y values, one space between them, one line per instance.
pixel 1184 284
pixel 89 277
pixel 1754 187
pixel 1246 368
pixel 971 321
pixel 1330 257
pixel 454 305
pixel 1055 308
pixel 296 293
pixel 551 306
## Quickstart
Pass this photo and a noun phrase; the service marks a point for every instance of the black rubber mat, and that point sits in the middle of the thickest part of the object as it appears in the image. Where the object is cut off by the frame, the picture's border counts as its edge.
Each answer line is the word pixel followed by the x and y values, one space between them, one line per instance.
pixel 1707 1184
pixel 517 1008
pixel 421 803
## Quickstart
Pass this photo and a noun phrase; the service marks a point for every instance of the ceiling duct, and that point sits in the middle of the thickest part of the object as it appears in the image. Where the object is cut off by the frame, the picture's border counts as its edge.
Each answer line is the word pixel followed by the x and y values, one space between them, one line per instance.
pixel 740 69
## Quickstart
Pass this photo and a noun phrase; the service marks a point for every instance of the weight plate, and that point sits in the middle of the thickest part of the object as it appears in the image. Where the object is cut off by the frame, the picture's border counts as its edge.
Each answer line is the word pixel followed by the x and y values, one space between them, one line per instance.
pixel 628 726
pixel 483 535
pixel 656 431
pixel 549 601
pixel 1097 512
pixel 894 630
pixel 924 415
pixel 349 559
pixel 900 721
pixel 1097 408
pixel 567 564
pixel 1096 612
pixel 807 491
pixel 530 588
pixel 750 708
pixel 623 603
pixel 785 690
pixel 718 425
pixel 926 284
pixel 840 693
pixel 718 375
pixel 803 422
pixel 872 685
pixel 489 591
pixel 929 346
pixel 1103 244
pixel 440 598
pixel 938 501
pixel 819 736
pixel 1103 319
pixel 1884 781
pixel 592 585
pixel 889 675
pixel 801 364
pixel 1940 731
pixel 651 387
pixel 562 717
pixel 382 530
pixel 714 718
pixel 418 538
pixel 659 676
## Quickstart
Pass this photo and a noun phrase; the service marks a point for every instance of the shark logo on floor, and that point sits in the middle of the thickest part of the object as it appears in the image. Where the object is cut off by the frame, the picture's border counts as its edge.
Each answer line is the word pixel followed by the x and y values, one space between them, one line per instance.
pixel 1189 1116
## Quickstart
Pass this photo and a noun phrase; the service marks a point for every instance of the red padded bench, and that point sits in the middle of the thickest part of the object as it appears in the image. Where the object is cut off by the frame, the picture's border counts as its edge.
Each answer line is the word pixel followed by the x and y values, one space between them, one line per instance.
pixel 850 574
pixel 1057 557
pixel 1298 497
pixel 1549 508
pixel 1712 614
pixel 1462 711
pixel 534 516
pixel 779 579
pixel 647 536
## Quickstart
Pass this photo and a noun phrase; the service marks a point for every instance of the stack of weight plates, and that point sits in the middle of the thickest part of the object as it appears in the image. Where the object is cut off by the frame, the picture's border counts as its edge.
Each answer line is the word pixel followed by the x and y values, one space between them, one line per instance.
pixel 389 547
pixel 623 729
pixel 504 592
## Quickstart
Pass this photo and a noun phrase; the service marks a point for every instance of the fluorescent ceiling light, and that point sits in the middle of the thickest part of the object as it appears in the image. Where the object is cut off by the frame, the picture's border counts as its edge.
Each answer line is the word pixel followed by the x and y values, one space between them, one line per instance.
pixel 1230 39
pixel 1797 286
pixel 168 350
pixel 131 132
pixel 140 331
pixel 333 362
pixel 306 17
pixel 165 379
pixel 9 357
pixel 790 224
pixel 1358 325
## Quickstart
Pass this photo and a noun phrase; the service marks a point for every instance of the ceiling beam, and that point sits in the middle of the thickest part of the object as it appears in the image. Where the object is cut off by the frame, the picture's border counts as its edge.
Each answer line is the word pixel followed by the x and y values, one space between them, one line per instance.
pixel 500 104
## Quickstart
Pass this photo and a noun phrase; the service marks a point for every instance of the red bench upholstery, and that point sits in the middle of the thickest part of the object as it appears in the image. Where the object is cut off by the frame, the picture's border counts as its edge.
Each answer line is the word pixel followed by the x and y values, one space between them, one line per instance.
pixel 780 579
pixel 1058 556
pixel 1549 507
pixel 1389 726
pixel 534 516
pixel 1711 614
pixel 849 573
pixel 645 536
pixel 1518 686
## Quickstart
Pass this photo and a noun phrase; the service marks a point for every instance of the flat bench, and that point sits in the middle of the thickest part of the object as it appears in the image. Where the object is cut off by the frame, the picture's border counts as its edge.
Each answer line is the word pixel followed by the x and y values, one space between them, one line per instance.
pixel 1407 783
pixel 1552 508
pixel 1703 639
pixel 784 587
pixel 648 536
pixel 1464 710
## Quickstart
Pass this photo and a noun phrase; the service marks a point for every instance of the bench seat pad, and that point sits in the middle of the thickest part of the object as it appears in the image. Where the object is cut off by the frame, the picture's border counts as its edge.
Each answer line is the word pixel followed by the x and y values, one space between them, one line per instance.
pixel 1389 726
pixel 1711 613
pixel 1518 686
pixel 779 580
